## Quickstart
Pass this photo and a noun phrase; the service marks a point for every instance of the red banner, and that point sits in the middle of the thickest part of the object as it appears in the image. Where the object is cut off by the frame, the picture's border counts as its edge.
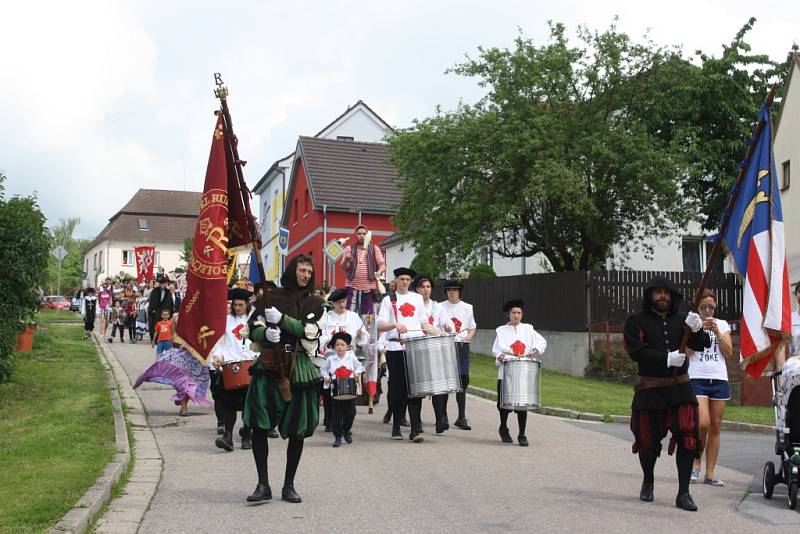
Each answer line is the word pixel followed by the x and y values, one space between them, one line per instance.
pixel 145 260
pixel 201 322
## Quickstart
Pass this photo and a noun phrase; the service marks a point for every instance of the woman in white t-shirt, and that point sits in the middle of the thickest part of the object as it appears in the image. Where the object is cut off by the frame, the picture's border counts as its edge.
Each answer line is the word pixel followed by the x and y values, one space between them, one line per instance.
pixel 709 377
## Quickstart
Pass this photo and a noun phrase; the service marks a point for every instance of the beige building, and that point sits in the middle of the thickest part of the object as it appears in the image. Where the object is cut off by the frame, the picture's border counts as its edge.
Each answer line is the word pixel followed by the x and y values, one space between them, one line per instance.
pixel 159 218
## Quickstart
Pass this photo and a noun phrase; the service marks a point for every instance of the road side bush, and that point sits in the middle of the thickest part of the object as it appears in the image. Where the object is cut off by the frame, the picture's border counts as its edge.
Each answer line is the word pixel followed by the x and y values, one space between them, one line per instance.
pixel 24 249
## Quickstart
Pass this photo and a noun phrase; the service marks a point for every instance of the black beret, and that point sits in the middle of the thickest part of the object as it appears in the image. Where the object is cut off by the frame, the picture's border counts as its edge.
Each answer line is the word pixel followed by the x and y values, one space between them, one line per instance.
pixel 404 271
pixel 344 336
pixel 453 284
pixel 513 303
pixel 162 279
pixel 239 293
pixel 421 278
pixel 337 294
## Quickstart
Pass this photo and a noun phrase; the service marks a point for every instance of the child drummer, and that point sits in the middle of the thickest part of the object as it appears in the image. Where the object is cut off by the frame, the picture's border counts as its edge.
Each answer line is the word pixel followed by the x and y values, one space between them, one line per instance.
pixel 341 365
pixel 515 339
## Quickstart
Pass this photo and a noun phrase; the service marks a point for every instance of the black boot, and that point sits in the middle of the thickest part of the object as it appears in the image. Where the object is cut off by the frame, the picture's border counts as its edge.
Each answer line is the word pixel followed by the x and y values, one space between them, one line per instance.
pixel 245 434
pixel 272 433
pixel 225 441
pixel 288 494
pixel 684 502
pixel 388 417
pixel 505 435
pixel 262 493
pixel 463 424
pixel 646 493
pixel 523 441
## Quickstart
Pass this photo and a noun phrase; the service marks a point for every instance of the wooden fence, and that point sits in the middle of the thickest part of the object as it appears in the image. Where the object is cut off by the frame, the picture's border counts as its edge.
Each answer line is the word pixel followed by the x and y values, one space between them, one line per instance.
pixel 570 301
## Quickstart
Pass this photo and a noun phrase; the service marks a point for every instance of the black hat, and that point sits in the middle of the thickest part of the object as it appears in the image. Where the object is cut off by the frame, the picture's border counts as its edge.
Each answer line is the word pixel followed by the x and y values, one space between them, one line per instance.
pixel 513 303
pixel 419 279
pixel 344 336
pixel 404 271
pixel 162 279
pixel 453 284
pixel 337 294
pixel 239 293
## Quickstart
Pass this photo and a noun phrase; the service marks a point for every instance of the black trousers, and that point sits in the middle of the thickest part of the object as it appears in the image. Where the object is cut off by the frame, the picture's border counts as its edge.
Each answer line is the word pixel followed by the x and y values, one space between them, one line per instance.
pixel 398 392
pixel 342 416
pixel 121 328
pixel 217 391
pixel 326 405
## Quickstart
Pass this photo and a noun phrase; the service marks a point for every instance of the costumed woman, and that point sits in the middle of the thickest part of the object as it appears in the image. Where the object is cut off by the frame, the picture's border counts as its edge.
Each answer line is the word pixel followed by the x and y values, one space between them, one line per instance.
pixel 284 388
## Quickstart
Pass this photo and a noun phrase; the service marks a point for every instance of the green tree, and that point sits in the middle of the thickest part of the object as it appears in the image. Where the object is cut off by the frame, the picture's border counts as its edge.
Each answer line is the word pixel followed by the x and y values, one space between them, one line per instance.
pixel 551 161
pixel 72 265
pixel 188 243
pixel 25 243
pixel 482 270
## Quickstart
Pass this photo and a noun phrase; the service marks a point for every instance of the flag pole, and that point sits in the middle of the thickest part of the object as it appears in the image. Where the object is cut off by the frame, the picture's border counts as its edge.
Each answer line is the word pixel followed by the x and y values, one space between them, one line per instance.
pixel 712 258
pixel 221 92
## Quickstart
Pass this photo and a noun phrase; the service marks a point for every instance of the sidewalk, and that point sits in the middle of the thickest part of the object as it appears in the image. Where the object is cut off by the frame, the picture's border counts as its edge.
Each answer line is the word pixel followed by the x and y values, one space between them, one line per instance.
pixel 570 478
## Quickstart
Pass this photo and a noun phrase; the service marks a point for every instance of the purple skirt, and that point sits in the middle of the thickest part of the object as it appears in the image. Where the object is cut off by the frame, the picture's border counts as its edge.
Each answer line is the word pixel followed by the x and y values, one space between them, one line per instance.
pixel 178 368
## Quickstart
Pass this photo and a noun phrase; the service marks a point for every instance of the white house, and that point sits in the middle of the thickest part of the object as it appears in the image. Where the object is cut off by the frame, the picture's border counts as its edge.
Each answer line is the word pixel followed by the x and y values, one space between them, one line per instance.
pixel 358 123
pixel 154 217
pixel 786 149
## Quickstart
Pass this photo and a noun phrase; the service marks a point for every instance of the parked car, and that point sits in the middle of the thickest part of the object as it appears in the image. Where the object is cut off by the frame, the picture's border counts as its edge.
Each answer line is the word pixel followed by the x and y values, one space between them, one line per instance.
pixel 75 305
pixel 56 302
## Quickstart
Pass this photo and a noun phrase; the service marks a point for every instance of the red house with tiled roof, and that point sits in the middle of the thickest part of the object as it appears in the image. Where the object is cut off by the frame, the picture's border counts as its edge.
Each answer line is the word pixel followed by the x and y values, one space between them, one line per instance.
pixel 336 185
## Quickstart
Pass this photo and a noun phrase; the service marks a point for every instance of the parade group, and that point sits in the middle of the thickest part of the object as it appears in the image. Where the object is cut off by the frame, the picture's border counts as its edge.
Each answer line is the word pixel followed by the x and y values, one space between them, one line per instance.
pixel 288 349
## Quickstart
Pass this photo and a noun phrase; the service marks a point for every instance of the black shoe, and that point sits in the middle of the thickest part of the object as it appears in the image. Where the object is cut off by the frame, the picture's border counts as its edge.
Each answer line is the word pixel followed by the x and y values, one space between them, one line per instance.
pixel 348 437
pixel 441 426
pixel 247 443
pixel 262 493
pixel 505 435
pixel 220 428
pixel 387 418
pixel 225 441
pixel 396 434
pixel 272 433
pixel 685 502
pixel 404 422
pixel 646 493
pixel 416 437
pixel 288 494
pixel 370 411
pixel 111 340
pixel 522 440
pixel 462 424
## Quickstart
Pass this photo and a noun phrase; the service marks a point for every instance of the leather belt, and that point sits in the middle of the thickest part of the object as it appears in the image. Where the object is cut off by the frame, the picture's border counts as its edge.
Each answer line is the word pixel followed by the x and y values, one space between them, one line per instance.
pixel 650 382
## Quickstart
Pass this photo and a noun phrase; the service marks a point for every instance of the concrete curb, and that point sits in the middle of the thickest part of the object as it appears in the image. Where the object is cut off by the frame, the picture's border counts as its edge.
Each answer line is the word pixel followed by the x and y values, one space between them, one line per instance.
pixel 86 509
pixel 731 426
pixel 125 513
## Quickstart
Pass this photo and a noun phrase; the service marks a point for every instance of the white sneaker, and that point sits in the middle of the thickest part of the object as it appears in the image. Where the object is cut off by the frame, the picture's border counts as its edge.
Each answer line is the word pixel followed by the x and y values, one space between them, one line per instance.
pixel 714 482
pixel 695 475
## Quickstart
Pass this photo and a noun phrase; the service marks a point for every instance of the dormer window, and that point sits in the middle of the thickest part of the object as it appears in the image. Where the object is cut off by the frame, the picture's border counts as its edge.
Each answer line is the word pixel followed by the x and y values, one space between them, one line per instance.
pixel 143 224
pixel 345 138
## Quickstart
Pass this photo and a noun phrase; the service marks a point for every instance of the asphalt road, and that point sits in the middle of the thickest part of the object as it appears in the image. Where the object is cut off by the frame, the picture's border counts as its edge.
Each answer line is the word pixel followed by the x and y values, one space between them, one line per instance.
pixel 575 476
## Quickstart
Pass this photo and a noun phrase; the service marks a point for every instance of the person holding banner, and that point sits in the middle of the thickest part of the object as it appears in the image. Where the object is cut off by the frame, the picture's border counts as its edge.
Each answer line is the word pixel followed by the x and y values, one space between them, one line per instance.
pixel 364 264
pixel 285 327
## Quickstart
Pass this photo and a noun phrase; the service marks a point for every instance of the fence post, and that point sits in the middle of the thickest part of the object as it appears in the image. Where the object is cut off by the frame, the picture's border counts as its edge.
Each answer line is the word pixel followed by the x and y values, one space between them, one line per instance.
pixel 588 283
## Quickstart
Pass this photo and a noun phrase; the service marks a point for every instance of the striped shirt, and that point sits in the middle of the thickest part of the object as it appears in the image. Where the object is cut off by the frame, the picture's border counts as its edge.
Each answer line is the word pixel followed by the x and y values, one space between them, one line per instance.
pixel 361 279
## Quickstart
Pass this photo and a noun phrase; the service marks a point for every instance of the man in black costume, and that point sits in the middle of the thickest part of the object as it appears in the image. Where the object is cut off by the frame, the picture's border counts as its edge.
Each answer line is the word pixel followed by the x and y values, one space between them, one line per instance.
pixel 663 398
pixel 284 389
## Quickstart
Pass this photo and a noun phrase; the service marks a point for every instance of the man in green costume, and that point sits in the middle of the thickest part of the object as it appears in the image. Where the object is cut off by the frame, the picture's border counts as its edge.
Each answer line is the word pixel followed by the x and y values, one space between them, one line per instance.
pixel 284 389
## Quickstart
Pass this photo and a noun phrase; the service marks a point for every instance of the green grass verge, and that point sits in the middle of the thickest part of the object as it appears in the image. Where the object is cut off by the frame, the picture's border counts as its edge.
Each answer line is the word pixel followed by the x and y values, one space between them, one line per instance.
pixel 585 395
pixel 56 427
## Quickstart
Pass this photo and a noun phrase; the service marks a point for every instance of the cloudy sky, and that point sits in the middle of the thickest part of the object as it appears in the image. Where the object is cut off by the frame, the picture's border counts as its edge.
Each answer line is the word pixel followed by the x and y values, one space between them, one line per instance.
pixel 102 98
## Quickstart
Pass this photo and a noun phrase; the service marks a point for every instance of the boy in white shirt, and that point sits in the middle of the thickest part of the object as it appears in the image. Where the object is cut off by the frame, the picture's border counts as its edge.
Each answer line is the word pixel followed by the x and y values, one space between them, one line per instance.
pixel 515 339
pixel 402 316
pixel 461 316
pixel 342 364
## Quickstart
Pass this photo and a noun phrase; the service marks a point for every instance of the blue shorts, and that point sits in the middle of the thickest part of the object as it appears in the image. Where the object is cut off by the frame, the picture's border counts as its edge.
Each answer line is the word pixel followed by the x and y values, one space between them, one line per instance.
pixel 712 388
pixel 161 346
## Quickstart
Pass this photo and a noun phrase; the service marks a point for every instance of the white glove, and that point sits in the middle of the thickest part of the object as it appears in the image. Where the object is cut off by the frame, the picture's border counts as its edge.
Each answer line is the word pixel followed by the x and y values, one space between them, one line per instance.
pixel 694 321
pixel 273 315
pixel 244 332
pixel 273 335
pixel 675 358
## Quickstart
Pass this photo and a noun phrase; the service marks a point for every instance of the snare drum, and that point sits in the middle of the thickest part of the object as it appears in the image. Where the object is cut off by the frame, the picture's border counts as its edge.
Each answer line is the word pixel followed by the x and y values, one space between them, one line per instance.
pixel 521 384
pixel 236 375
pixel 344 388
pixel 432 365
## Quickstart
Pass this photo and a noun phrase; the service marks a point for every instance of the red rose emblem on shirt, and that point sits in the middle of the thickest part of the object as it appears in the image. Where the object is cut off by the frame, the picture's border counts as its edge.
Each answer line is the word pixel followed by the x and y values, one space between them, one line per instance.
pixel 237 331
pixel 407 310
pixel 343 372
pixel 430 319
pixel 518 348
pixel 457 324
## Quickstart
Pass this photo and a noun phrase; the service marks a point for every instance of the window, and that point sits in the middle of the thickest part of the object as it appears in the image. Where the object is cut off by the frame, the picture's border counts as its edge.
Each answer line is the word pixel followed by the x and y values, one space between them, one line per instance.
pixel 306 201
pixel 100 259
pixel 696 251
pixel 157 259
pixel 785 175
pixel 127 257
pixel 94 261
pixel 295 211
pixel 143 224
pixel 345 138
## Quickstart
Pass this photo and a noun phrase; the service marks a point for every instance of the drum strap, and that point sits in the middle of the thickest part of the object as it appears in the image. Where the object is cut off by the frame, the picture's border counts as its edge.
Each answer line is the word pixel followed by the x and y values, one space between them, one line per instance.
pixel 393 300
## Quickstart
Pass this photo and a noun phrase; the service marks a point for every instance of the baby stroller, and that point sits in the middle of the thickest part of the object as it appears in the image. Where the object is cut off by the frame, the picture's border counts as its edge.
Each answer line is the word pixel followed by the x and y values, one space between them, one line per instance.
pixel 786 401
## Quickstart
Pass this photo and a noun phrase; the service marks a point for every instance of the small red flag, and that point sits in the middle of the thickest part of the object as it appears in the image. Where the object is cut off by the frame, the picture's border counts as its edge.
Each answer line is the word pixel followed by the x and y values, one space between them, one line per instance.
pixel 201 322
pixel 145 258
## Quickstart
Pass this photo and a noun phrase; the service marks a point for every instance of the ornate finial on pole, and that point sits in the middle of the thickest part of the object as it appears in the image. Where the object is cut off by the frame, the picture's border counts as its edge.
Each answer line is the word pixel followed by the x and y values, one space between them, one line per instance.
pixel 221 91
